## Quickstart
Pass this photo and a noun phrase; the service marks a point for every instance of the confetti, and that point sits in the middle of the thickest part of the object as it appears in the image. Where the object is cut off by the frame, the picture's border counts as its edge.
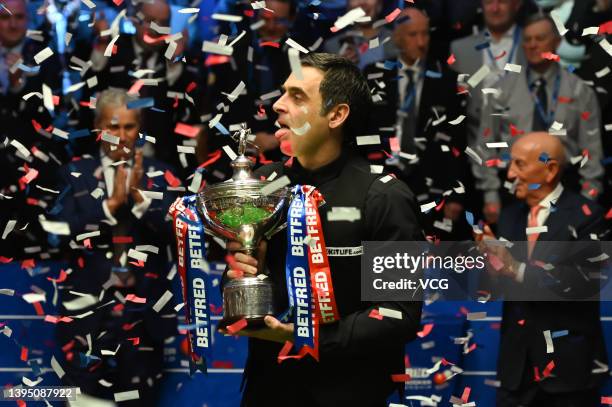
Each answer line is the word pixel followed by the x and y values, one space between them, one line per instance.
pixel 126 395
pixel 294 62
pixel 43 55
pixel 343 213
pixel 557 18
pixel 237 326
pixel 368 140
pixel 10 225
pixel 474 316
pixel 214 48
pixel 390 313
pixel 428 206
pixel 186 130
pixel 427 328
pixel 478 76
pixel 536 229
pixel 275 185
pixel 162 301
pixel 513 68
pixel 473 155
pixel 348 19
pixel 295 45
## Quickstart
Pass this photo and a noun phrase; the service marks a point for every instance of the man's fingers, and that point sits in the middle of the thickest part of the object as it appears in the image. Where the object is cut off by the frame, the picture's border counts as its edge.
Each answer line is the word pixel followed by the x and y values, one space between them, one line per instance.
pixel 245 258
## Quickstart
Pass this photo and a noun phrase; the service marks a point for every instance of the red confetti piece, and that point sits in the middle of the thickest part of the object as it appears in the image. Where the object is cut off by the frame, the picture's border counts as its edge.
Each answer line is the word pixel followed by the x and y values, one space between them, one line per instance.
pixel 565 99
pixel 135 341
pixel 117 2
pixel 114 51
pixel 585 115
pixel 503 54
pixel 134 298
pixel 139 263
pixel 192 85
pixel 400 378
pixel 451 59
pixel 514 131
pixel 38 308
pixel 21 403
pixel 171 179
pixel 28 264
pixel 135 88
pixel 176 102
pixel 151 275
pixel 54 320
pixel 536 374
pixel 586 210
pixel 471 348
pixel 24 354
pixel 87 243
pixel 81 262
pixel 466 394
pixel 608 216
pixel 426 330
pixel 36 125
pixel 62 277
pixel 249 13
pixel 186 130
pixel 548 369
pixel 127 327
pixel 30 176
pixel 284 352
pixel 214 156
pixel 216 60
pixel 375 314
pixel 123 239
pixel 393 15
pixel 10 259
pixel 222 364
pixel 152 40
pixel 56 100
pixel 605 28
pixel 440 205
pixel 263 159
pixel 237 326
pixel 272 44
pixel 606 400
pixel 550 56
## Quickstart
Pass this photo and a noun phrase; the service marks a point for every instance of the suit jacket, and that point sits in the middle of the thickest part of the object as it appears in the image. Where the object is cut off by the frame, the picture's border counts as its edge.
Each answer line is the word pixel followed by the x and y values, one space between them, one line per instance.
pixel 91 267
pixel 438 96
pixel 523 346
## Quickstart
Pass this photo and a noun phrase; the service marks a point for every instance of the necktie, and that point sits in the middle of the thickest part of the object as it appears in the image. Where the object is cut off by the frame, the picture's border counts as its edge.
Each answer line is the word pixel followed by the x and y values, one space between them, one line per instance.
pixel 540 123
pixel 409 122
pixel 4 71
pixel 532 223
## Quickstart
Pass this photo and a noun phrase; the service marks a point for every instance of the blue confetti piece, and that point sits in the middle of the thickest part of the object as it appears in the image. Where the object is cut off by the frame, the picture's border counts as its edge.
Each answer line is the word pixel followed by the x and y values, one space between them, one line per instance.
pixel 505 156
pixel 533 187
pixel 558 334
pixel 469 216
pixel 78 134
pixel 141 103
pixel 157 110
pixel 315 3
pixel 433 74
pixel 29 69
pixel 544 157
pixel 388 65
pixel 571 68
pixel 484 45
pixel 222 128
pixel 86 359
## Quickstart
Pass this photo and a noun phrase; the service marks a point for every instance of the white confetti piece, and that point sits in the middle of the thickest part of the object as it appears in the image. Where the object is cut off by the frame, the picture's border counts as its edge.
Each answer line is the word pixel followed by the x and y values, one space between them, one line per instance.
pixel 10 225
pixel 300 131
pixel 386 179
pixel 428 206
pixel 602 72
pixel 500 144
pixel 473 155
pixel 214 48
pixel 230 153
pixel 108 52
pixel 135 254
pixel 106 136
pixel 236 92
pixel 294 62
pixel 513 68
pixel 196 182
pixel 377 169
pixel 83 301
pixel 32 298
pixel 170 50
pixel 186 149
pixel 373 139
pixel 21 148
pixel 163 300
pixel 127 395
pixel 458 120
pixel 474 316
pixel 599 258
pixel 478 76
pixel 43 55
pixel 160 29
pixel 87 235
pixel 270 95
pixel 47 98
pixel 105 383
pixel 7 291
pixel 89 3
pixel 558 22
pixel 349 18
pixel 550 348
pixel 189 10
pixel 343 213
pixel 31 383
pixel 536 229
pixel 57 368
pixel 275 185
pixel 590 31
pixel 55 227
pixel 97 193
pixel 390 313
pixel 295 45
pixel 227 17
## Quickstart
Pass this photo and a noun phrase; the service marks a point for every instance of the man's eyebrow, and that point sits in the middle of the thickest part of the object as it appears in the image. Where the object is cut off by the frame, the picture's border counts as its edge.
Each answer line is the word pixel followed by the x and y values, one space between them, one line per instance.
pixel 293 89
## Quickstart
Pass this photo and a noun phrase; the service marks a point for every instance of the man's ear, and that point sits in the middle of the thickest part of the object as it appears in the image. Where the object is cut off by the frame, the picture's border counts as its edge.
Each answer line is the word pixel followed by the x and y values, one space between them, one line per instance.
pixel 553 170
pixel 338 115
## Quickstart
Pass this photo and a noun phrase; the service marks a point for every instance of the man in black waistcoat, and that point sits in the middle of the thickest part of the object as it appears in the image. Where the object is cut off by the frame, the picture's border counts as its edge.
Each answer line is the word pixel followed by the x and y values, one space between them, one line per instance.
pixel 319 117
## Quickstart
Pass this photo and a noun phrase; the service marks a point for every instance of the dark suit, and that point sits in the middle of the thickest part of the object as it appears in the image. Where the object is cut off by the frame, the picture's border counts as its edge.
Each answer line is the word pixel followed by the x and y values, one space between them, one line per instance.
pixel 113 324
pixel 438 97
pixel 523 346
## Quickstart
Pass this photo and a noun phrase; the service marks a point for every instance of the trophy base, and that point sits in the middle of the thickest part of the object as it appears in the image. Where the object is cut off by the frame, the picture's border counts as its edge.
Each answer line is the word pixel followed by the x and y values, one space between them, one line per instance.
pixel 249 298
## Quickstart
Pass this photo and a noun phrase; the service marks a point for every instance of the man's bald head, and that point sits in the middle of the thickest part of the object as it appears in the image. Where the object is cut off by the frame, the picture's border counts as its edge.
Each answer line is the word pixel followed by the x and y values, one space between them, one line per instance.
pixel 537 163
pixel 411 35
pixel 148 12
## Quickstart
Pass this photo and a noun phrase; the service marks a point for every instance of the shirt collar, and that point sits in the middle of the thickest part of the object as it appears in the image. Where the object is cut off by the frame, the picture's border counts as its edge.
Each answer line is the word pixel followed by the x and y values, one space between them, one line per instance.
pixel 548 76
pixel 416 68
pixel 320 175
pixel 108 162
pixel 16 49
pixel 552 197
pixel 509 34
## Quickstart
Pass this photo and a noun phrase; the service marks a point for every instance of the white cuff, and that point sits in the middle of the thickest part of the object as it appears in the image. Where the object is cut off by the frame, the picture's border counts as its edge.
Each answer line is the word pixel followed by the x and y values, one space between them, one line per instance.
pixel 111 219
pixel 139 210
pixel 520 273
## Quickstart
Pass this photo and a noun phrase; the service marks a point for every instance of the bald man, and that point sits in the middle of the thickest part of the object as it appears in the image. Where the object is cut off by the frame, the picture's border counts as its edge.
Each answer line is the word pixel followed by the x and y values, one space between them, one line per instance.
pixel 415 98
pixel 524 365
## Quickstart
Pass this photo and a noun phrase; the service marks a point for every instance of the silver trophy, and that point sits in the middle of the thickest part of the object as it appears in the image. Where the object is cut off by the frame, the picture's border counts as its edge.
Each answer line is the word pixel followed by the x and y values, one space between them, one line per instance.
pixel 237 210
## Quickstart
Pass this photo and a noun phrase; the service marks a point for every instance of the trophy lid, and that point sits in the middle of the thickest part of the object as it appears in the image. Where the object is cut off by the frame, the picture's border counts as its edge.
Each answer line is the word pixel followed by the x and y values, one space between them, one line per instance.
pixel 241 164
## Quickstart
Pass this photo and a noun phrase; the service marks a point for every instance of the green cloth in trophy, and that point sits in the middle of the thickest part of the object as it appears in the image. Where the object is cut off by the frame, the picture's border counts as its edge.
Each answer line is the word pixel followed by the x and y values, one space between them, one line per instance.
pixel 242 215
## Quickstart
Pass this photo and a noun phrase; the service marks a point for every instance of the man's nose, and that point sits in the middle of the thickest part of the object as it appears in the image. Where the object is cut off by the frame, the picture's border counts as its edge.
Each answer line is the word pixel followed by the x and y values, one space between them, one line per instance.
pixel 279 106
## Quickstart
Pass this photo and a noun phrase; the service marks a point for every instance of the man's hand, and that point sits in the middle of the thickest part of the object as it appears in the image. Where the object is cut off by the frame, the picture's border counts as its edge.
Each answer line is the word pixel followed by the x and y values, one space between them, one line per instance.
pixel 246 265
pixel 119 197
pixel 274 331
pixel 452 210
pixel 491 212
pixel 136 177
pixel 510 265
pixel 15 77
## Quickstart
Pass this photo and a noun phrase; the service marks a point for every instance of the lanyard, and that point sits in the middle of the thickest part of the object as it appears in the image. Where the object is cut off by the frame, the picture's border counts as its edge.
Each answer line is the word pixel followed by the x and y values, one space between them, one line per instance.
pixel 546 116
pixel 515 41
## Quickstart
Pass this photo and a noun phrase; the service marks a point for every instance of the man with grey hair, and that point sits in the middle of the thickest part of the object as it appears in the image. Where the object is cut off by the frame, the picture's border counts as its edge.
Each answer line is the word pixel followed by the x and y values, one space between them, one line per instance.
pixel 542 96
pixel 117 195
